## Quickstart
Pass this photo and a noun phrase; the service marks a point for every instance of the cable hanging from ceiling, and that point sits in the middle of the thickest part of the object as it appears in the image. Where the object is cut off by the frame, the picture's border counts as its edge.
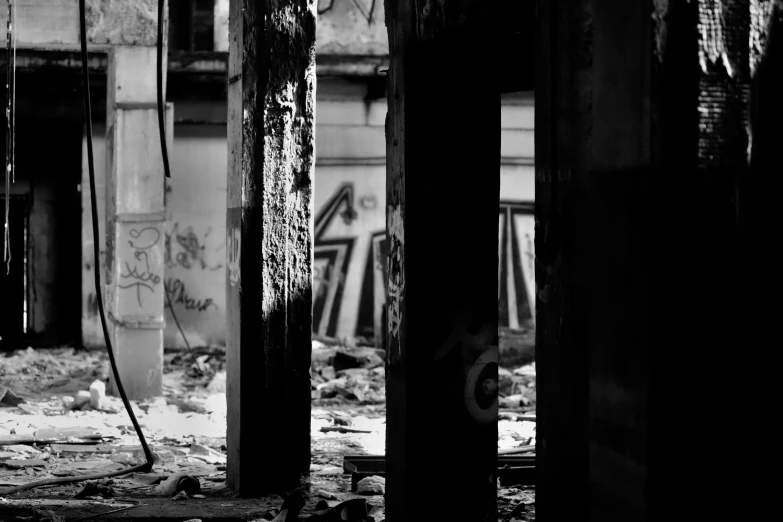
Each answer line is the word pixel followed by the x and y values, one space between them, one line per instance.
pixel 10 93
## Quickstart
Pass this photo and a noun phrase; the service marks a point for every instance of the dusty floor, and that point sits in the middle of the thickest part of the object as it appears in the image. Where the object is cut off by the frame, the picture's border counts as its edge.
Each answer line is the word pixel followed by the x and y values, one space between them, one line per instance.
pixel 50 427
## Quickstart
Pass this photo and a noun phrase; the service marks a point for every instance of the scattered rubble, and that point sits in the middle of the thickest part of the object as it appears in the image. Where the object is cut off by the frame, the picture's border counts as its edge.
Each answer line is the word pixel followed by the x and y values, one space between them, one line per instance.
pixel 56 420
pixel 371 486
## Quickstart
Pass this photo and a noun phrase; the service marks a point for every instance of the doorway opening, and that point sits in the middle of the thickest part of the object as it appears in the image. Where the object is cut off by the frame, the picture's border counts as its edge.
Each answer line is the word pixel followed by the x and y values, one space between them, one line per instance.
pixel 13 275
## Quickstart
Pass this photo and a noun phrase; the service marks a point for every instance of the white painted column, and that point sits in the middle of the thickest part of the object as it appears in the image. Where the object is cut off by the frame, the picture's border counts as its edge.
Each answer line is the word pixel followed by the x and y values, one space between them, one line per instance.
pixel 221 26
pixel 135 214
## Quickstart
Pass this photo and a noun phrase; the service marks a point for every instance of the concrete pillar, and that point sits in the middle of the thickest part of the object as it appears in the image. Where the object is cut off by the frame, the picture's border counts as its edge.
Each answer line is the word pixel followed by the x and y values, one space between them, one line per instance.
pixel 271 98
pixel 641 147
pixel 759 309
pixel 135 214
pixel 443 188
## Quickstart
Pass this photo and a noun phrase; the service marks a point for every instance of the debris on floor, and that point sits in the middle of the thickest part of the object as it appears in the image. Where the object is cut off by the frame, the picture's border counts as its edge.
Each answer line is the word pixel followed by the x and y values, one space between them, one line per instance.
pixel 516 504
pixel 57 420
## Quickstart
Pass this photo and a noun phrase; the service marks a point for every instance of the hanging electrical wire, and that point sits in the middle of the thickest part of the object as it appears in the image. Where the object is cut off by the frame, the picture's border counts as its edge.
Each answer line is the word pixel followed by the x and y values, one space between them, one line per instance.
pixel 147 466
pixel 10 83
pixel 166 168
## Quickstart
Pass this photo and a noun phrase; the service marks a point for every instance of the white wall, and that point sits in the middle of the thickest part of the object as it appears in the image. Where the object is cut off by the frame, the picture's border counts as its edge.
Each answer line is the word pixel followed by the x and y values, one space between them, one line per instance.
pixel 195 235
pixel 349 216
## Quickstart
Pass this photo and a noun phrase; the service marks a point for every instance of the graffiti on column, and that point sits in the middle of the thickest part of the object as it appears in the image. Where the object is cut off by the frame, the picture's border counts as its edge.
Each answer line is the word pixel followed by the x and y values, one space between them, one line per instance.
pixel 479 353
pixel 516 265
pixel 137 273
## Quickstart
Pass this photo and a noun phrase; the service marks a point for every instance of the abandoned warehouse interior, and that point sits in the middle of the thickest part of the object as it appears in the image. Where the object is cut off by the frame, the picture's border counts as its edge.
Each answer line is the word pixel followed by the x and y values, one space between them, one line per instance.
pixel 308 137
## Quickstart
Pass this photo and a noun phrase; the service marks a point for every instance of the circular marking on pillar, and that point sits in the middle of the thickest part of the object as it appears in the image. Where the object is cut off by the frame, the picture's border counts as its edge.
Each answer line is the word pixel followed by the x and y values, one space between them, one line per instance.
pixel 481 397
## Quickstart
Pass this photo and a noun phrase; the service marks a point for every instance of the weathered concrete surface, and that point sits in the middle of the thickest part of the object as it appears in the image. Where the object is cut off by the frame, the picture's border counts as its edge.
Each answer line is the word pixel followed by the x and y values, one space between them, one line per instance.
pixel 269 223
pixel 55 23
pixel 135 217
pixel 123 22
pixel 45 23
pixel 444 96
pixel 345 27
pixel 351 28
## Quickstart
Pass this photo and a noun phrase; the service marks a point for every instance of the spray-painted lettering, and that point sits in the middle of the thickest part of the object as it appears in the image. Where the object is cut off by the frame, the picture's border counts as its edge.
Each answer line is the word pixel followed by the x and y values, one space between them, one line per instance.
pixel 179 295
pixel 138 273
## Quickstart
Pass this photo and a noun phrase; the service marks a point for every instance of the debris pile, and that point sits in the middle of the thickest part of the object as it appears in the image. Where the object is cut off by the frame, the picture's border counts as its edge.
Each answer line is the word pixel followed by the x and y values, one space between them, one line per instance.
pixel 517 388
pixel 516 504
pixel 57 419
pixel 347 375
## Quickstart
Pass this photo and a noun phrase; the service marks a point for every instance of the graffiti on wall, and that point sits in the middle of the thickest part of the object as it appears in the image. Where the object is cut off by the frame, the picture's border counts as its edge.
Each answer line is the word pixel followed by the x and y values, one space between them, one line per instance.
pixel 178 294
pixel 337 234
pixel 334 258
pixel 516 265
pixel 137 273
pixel 185 249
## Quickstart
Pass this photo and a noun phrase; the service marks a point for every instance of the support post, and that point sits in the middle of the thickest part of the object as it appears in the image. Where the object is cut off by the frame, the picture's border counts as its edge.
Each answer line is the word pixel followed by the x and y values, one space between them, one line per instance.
pixel 271 87
pixel 641 117
pixel 135 216
pixel 442 193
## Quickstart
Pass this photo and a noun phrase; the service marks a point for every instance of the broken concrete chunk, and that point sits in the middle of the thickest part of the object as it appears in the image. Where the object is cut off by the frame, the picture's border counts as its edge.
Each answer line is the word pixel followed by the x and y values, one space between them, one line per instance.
pixel 180 496
pixel 8 397
pixel 177 483
pixel 328 373
pixel 97 488
pixel 218 383
pixel 97 393
pixel 67 403
pixel 81 399
pixel 326 470
pixel 512 401
pixel 207 454
pixel 373 485
pixel 325 494
pixel 24 463
pixel 30 409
